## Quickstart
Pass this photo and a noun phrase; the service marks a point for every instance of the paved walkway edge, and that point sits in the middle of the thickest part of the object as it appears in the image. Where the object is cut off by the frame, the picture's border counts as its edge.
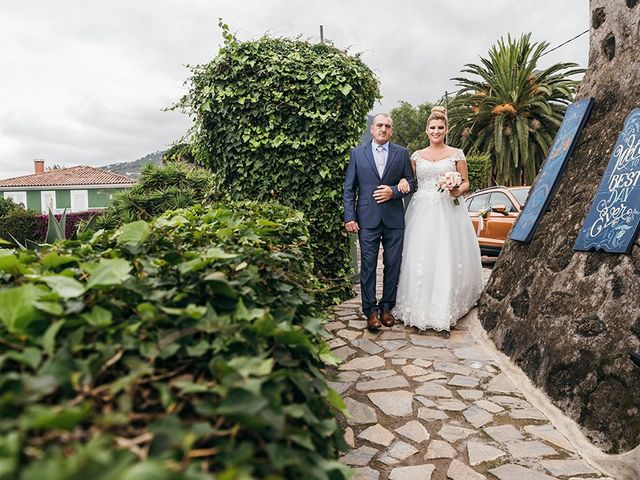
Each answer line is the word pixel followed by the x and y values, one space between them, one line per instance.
pixel 625 466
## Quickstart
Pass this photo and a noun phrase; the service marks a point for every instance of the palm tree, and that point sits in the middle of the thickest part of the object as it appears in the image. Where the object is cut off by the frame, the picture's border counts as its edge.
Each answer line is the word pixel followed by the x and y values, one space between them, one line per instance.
pixel 512 111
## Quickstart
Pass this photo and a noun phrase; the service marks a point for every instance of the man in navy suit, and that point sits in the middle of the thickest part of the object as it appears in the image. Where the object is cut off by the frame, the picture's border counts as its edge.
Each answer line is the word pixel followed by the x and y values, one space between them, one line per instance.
pixel 373 209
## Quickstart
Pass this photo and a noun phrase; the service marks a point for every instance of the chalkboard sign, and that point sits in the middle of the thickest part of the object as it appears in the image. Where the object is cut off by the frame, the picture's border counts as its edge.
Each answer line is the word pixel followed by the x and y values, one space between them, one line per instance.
pixel 551 172
pixel 614 217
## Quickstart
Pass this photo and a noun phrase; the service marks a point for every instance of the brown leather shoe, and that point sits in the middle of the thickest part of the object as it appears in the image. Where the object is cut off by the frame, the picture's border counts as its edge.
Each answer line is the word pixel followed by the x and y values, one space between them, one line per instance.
pixel 373 321
pixel 387 319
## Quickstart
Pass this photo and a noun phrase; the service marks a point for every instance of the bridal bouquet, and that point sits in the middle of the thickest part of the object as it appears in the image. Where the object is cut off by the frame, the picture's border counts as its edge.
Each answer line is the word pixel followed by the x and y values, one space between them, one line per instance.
pixel 448 181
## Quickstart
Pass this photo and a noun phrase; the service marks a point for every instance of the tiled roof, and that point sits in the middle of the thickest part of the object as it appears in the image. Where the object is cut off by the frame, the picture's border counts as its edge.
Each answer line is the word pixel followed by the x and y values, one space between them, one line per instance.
pixel 81 175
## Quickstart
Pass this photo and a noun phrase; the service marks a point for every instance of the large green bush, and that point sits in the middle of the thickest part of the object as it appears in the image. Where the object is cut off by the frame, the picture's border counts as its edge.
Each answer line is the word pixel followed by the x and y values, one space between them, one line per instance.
pixel 181 348
pixel 276 118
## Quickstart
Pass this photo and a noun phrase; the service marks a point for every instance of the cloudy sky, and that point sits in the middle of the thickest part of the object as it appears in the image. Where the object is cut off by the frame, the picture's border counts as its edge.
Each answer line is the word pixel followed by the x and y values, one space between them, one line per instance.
pixel 85 82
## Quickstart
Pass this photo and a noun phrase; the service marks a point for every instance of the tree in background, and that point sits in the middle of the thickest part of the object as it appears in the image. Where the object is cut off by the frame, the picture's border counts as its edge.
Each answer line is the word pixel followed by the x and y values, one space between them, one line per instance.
pixel 409 125
pixel 510 109
pixel 275 119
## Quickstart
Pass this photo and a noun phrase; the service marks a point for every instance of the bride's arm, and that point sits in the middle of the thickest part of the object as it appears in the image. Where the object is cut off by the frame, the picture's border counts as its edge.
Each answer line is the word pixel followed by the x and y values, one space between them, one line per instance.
pixel 461 167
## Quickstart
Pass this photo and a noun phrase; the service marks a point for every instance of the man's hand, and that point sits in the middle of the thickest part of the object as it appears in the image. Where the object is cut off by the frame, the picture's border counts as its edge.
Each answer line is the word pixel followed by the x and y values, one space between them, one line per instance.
pixel 403 186
pixel 352 226
pixel 383 193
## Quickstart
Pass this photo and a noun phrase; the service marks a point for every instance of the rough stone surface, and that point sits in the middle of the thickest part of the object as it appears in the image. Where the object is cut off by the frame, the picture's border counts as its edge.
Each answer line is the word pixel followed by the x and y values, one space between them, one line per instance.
pixel 366 473
pixel 470 394
pixel 518 472
pixel 359 413
pixel 452 405
pixel 504 433
pixel 367 345
pixel 489 406
pixel 422 472
pixel 434 390
pixel 467 431
pixel 459 471
pixel 528 449
pixel 363 363
pixel 439 449
pixel 382 384
pixel 452 368
pixel 344 352
pixel 527 414
pixel 430 414
pixel 481 453
pixel 549 434
pixel 557 313
pixel 501 384
pixel 397 403
pixel 349 437
pixel 415 431
pixel 463 381
pixel 378 434
pixel 414 371
pixel 477 417
pixel 452 433
pixel 360 456
pixel 401 450
pixel 424 353
pixel 565 468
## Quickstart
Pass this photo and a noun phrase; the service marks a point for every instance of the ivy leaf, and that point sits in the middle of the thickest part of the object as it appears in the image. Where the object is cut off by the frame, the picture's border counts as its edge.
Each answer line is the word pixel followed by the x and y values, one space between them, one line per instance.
pixel 98 317
pixel 29 356
pixel 8 261
pixel 49 337
pixel 107 272
pixel 345 89
pixel 132 235
pixel 66 287
pixel 54 260
pixel 18 307
pixel 51 417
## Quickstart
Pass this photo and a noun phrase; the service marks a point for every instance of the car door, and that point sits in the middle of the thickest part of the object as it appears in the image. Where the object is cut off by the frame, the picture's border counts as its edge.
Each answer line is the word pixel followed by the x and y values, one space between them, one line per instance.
pixel 498 224
pixel 475 205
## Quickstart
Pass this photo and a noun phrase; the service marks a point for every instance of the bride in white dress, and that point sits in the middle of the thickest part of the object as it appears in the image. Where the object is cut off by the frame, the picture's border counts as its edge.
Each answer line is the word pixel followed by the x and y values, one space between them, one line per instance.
pixel 441 273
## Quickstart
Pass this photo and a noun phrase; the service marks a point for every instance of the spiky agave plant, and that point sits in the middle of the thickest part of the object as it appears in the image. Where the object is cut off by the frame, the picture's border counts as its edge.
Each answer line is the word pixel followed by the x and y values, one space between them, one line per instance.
pixel 510 109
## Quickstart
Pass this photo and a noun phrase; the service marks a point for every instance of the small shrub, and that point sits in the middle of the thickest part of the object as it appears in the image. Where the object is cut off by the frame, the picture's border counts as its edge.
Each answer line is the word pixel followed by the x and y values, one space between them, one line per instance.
pixel 180 349
pixel 479 168
pixel 159 189
pixel 7 206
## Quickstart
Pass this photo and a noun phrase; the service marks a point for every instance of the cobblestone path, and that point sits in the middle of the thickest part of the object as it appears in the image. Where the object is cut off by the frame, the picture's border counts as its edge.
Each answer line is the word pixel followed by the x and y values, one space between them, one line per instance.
pixel 423 407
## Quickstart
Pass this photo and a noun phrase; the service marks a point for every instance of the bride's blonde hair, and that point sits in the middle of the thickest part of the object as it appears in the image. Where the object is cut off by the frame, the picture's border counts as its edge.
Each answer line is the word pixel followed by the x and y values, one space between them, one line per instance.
pixel 438 113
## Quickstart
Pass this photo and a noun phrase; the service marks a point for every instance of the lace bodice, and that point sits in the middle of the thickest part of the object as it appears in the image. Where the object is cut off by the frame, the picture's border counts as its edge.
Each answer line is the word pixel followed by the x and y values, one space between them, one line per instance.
pixel 428 172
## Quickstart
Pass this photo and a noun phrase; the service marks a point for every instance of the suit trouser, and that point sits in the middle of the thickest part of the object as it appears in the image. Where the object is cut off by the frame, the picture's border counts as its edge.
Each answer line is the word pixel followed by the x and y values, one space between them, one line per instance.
pixel 370 239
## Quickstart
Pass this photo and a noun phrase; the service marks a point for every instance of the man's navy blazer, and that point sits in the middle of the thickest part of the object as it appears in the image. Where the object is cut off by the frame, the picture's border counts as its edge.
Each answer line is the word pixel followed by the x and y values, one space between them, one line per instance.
pixel 362 179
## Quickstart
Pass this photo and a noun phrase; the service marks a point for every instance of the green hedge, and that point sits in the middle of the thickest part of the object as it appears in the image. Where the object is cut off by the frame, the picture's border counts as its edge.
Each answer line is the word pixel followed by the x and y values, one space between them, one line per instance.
pixel 22 224
pixel 182 348
pixel 479 169
pixel 276 119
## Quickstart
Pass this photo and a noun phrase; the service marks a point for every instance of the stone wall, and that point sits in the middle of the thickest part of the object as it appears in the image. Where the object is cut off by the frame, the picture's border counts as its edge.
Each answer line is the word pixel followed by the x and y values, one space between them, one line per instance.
pixel 569 319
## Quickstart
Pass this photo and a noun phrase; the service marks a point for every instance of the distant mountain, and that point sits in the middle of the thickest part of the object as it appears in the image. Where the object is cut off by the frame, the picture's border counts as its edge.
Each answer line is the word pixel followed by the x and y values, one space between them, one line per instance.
pixel 132 169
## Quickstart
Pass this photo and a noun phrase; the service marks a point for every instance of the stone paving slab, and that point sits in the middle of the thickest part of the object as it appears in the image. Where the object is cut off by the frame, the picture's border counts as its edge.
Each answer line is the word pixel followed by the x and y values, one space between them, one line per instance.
pixel 423 406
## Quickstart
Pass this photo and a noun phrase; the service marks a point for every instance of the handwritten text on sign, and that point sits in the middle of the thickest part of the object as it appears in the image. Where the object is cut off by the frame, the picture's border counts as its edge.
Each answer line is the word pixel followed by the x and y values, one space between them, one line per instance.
pixel 613 220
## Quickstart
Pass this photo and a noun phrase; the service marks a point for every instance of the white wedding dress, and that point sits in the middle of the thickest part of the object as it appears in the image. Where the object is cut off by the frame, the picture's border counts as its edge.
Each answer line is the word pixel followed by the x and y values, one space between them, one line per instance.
pixel 441 272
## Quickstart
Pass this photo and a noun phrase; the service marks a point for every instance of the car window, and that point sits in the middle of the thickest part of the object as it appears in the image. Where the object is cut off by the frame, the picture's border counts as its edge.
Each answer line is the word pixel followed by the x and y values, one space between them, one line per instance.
pixel 521 194
pixel 478 202
pixel 499 198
